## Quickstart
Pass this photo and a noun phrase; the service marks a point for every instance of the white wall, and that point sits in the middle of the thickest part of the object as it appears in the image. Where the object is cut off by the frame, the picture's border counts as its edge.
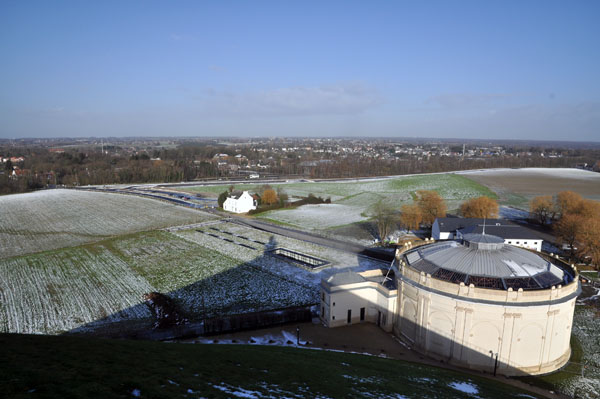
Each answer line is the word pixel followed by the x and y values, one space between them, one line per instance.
pixel 531 339
pixel 241 205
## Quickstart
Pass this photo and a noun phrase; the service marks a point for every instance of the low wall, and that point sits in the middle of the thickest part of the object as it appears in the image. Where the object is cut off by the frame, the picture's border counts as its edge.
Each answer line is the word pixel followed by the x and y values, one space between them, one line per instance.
pixel 228 324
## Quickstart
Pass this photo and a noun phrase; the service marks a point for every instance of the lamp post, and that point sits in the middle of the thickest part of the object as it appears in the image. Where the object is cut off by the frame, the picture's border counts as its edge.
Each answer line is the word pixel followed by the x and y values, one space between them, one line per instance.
pixel 495 361
pixel 297 336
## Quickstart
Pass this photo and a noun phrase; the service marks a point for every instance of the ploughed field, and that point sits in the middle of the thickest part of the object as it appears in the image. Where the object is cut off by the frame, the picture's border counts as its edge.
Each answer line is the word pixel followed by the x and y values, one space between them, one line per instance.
pixel 517 186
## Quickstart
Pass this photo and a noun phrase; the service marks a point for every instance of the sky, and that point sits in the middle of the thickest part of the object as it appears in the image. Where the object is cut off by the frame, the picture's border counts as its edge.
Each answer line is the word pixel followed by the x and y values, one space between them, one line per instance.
pixel 447 69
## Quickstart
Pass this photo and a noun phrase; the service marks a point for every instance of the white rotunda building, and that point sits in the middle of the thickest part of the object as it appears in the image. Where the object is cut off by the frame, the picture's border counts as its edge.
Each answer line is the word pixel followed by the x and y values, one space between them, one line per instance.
pixel 475 302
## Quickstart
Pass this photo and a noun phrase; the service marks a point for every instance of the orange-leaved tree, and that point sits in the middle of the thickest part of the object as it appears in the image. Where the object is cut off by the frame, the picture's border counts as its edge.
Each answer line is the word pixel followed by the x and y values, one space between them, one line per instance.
pixel 480 207
pixel 567 202
pixel 411 217
pixel 269 197
pixel 588 239
pixel 431 204
pixel 567 230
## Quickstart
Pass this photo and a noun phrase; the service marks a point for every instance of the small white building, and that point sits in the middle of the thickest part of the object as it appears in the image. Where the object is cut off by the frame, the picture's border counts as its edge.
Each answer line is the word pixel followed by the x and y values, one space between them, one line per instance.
pixel 239 203
pixel 513 234
pixel 361 297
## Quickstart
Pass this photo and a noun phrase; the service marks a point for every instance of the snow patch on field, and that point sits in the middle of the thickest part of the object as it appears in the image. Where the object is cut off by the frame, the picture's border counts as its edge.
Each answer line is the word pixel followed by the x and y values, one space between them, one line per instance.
pixel 465 387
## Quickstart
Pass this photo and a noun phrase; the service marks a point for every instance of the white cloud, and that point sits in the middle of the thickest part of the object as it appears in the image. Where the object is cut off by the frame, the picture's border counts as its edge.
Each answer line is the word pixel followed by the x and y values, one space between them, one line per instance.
pixel 458 100
pixel 333 99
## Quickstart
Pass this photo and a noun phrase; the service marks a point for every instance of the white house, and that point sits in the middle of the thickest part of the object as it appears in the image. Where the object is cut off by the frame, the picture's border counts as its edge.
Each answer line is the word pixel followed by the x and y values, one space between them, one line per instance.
pixel 513 234
pixel 239 202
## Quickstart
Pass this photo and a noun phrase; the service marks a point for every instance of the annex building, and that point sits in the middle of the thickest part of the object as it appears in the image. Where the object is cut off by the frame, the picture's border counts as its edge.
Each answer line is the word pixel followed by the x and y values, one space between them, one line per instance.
pixel 449 228
pixel 467 302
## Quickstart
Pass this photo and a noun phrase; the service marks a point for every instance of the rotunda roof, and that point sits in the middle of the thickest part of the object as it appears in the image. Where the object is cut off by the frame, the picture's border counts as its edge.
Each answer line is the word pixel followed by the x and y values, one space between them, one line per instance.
pixel 485 261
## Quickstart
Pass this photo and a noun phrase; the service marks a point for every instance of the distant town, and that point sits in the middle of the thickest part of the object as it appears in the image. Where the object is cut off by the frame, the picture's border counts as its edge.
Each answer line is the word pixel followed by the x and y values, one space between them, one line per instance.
pixel 30 164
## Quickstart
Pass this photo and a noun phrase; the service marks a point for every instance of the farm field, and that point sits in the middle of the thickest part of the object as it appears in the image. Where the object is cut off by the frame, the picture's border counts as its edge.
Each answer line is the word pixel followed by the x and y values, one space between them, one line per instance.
pixel 517 186
pixel 41 366
pixel 81 288
pixel 52 219
pixel 352 200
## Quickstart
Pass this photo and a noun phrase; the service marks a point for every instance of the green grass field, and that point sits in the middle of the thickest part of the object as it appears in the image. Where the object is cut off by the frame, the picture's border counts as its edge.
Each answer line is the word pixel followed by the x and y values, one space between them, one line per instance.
pixel 75 367
pixel 353 200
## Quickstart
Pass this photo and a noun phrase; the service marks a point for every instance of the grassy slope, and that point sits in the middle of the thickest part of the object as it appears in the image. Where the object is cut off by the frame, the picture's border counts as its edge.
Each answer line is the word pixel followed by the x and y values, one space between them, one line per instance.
pixel 74 367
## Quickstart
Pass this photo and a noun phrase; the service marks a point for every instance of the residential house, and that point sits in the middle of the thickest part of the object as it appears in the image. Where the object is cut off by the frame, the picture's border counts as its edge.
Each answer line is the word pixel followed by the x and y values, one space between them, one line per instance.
pixel 240 202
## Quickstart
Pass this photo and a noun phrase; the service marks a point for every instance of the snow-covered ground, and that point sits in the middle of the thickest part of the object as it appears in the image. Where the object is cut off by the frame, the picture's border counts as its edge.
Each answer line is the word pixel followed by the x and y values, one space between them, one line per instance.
pixel 319 216
pixel 52 219
pixel 585 328
pixel 338 260
pixel 66 289
pixel 74 288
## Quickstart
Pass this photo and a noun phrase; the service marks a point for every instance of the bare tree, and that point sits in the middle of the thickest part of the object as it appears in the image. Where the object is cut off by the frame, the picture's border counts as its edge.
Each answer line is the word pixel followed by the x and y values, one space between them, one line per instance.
pixel 384 217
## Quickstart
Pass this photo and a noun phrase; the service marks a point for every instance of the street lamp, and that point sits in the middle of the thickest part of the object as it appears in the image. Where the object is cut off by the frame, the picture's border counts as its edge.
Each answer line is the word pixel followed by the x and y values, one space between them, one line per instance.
pixel 495 361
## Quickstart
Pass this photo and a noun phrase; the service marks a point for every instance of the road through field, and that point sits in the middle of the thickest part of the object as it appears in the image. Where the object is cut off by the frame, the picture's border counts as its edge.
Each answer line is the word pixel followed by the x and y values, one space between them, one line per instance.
pixel 312 238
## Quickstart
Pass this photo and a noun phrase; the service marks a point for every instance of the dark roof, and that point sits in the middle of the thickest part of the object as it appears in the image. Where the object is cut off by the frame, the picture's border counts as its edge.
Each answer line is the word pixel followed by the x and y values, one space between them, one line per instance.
pixel 506 231
pixel 448 225
pixel 236 194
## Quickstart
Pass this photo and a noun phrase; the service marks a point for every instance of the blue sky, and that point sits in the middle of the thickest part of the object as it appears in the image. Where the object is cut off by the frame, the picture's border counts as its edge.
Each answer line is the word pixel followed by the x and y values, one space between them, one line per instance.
pixel 472 69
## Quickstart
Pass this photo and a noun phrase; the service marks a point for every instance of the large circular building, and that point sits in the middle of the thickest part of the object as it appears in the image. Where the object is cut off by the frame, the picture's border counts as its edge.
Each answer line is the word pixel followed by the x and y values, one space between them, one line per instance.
pixel 477 302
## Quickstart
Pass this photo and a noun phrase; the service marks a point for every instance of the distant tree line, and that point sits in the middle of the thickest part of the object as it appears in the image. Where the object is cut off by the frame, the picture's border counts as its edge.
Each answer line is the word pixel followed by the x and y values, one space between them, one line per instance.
pixel 78 166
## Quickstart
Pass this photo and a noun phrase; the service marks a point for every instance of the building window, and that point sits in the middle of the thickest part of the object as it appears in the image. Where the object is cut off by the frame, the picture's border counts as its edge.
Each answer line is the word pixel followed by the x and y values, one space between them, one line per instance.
pixel 362 314
pixel 349 316
pixel 518 242
pixel 510 242
pixel 323 297
pixel 332 317
pixel 323 311
pixel 334 304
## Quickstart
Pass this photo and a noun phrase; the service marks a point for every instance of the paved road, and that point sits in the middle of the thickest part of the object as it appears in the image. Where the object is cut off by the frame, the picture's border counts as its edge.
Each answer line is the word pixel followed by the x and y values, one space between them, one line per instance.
pixel 309 237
